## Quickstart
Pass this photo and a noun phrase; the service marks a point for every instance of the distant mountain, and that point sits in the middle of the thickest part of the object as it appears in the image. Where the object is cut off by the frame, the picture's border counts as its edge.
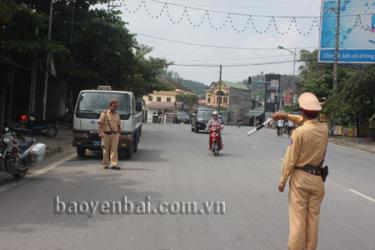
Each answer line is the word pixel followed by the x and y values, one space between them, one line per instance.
pixel 196 87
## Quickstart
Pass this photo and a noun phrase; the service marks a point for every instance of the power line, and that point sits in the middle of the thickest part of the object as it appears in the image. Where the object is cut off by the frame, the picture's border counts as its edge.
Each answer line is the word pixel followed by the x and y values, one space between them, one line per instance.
pixel 234 65
pixel 211 45
pixel 233 58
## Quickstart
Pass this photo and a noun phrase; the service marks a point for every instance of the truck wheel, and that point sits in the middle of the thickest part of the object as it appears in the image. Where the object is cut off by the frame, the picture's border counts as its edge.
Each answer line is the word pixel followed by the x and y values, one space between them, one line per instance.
pixel 135 144
pixel 81 152
pixel 128 153
pixel 196 129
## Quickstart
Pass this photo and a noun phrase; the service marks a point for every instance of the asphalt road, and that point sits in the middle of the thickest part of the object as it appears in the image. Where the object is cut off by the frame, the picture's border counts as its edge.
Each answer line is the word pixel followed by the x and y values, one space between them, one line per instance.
pixel 174 164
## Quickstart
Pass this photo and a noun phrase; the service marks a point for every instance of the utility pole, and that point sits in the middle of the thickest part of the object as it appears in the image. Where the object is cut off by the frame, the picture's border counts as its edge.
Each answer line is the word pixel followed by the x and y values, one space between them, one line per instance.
pixel 337 45
pixel 220 76
pixel 47 62
pixel 33 78
pixel 294 67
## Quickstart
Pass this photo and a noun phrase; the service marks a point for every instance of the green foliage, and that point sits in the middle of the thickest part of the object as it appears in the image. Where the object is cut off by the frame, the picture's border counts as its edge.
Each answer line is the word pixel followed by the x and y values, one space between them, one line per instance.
pixel 90 46
pixel 187 99
pixel 314 77
pixel 7 10
pixel 355 96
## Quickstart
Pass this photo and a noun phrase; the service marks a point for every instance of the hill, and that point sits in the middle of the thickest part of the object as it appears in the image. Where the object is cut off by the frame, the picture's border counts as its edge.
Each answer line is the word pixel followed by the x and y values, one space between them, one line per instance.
pixel 196 87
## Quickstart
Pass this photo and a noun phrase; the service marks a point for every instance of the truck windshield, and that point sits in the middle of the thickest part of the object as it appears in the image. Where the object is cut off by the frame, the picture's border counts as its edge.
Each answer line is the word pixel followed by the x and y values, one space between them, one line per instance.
pixel 91 104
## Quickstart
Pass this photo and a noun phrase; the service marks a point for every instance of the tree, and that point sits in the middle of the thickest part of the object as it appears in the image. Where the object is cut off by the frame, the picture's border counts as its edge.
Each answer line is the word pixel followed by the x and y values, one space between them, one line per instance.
pixel 187 99
pixel 90 46
pixel 354 99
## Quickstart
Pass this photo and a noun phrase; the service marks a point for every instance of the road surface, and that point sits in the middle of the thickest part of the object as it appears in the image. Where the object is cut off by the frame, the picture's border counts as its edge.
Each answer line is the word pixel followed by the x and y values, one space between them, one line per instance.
pixel 173 164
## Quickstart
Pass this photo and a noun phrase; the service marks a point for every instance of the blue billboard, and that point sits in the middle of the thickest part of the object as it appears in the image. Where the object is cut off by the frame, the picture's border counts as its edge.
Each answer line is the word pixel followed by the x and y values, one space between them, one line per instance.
pixel 357 31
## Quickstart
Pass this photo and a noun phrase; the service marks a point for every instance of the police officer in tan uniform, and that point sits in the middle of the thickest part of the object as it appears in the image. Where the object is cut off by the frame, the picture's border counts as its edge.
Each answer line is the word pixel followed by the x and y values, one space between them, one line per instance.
pixel 303 165
pixel 109 131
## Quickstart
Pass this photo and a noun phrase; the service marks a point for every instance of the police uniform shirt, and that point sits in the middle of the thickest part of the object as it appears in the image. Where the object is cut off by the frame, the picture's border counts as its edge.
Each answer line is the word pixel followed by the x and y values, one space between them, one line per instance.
pixel 107 118
pixel 307 146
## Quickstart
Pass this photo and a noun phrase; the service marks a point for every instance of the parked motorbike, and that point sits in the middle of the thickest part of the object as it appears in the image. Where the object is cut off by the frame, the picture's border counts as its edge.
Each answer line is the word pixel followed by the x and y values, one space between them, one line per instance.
pixel 29 125
pixel 18 154
pixel 215 139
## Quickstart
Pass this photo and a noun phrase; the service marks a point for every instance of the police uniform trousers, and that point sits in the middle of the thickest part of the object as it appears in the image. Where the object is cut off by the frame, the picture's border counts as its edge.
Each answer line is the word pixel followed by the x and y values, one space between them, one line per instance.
pixel 110 149
pixel 306 194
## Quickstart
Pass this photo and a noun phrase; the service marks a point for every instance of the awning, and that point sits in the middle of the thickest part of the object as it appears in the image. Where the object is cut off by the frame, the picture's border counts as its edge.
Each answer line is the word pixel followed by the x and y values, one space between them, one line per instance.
pixel 255 113
pixel 161 106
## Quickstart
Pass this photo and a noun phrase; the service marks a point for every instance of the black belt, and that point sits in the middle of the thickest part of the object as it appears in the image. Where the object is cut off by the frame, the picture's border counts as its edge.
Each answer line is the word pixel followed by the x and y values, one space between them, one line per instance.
pixel 318 171
pixel 110 133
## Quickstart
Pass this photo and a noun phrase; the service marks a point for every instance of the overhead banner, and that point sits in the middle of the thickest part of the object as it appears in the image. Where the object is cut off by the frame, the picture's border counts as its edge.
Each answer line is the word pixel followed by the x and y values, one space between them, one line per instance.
pixel 357 31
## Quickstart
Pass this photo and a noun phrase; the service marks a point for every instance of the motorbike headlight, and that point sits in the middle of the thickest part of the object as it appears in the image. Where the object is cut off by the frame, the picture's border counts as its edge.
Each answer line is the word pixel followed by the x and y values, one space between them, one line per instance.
pixel 6 140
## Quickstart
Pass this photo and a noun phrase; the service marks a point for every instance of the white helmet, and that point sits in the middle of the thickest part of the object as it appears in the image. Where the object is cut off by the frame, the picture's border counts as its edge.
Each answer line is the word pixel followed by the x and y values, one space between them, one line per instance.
pixel 215 113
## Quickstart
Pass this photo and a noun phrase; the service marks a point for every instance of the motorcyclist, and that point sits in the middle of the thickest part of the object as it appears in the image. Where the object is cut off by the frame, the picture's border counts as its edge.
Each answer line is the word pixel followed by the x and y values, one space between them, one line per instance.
pixel 215 121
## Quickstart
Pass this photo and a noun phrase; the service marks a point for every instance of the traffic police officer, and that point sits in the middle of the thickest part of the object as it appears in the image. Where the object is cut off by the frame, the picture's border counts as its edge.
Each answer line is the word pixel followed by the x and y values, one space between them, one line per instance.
pixel 303 161
pixel 109 131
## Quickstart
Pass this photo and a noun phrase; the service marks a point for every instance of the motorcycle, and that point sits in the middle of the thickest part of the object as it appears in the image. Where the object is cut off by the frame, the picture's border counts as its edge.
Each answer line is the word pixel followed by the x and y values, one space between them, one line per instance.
pixel 215 139
pixel 18 154
pixel 29 125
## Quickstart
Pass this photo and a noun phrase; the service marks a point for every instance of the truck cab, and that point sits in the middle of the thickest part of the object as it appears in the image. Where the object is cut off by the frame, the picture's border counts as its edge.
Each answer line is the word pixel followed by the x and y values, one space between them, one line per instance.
pixel 90 104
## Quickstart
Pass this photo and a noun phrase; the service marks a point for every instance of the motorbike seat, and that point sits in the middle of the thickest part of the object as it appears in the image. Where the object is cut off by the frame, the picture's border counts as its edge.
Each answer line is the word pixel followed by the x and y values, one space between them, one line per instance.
pixel 25 143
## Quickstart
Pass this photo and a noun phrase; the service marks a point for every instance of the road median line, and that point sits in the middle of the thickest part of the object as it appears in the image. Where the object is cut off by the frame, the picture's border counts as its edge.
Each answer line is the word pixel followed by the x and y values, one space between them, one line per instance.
pixel 362 195
pixel 51 166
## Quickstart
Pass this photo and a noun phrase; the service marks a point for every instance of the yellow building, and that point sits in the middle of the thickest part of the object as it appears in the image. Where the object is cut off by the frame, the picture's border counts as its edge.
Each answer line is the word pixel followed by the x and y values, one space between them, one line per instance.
pixel 160 106
pixel 234 99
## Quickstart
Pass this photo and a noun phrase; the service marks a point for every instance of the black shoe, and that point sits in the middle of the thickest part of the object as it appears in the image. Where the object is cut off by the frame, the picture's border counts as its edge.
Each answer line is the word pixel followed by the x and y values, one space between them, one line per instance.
pixel 105 167
pixel 116 168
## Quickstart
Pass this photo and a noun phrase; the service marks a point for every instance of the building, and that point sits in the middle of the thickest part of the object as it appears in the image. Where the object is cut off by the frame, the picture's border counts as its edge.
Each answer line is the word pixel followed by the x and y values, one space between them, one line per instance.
pixel 234 99
pixel 272 93
pixel 160 106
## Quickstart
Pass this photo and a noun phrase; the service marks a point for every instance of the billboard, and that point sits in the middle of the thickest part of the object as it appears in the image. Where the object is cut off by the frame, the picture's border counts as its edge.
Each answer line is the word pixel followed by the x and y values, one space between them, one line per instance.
pixel 357 31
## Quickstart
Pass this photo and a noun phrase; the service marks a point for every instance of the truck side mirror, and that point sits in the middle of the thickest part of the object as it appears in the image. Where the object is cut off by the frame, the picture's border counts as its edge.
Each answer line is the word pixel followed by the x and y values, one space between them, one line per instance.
pixel 138 106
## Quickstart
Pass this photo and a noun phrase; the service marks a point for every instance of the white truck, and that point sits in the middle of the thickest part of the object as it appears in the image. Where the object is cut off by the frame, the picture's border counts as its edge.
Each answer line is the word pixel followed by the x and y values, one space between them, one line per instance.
pixel 90 104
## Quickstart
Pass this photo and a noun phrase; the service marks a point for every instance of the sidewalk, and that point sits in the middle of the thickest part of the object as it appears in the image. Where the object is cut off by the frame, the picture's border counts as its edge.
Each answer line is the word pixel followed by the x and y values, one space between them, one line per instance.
pixel 59 144
pixel 364 144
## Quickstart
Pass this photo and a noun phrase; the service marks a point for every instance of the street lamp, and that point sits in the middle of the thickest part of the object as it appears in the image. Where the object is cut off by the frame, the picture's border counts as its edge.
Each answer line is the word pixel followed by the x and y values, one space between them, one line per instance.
pixel 294 61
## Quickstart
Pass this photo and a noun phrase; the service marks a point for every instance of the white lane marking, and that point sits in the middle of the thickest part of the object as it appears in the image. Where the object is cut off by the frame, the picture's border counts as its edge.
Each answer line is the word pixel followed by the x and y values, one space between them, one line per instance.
pixel 362 195
pixel 52 166
pixel 253 146
pixel 36 173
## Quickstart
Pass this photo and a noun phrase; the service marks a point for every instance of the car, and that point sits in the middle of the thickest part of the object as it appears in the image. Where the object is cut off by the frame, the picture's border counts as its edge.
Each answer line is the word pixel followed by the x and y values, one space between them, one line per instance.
pixel 182 117
pixel 200 118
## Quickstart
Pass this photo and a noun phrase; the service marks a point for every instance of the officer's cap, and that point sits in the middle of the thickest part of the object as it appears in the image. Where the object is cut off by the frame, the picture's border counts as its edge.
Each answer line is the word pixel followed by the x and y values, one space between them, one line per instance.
pixel 308 101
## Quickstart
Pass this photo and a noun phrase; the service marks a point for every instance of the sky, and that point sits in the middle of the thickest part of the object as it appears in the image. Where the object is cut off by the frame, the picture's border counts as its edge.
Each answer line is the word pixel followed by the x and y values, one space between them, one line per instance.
pixel 141 23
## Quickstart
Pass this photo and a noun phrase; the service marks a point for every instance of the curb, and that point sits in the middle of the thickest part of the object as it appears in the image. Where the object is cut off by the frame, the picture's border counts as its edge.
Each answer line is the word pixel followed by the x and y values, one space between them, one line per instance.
pixel 361 147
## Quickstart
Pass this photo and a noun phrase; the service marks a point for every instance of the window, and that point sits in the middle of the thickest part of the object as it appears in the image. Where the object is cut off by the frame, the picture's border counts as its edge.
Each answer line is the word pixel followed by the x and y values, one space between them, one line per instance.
pixel 169 99
pixel 209 99
pixel 158 99
pixel 150 98
pixel 226 99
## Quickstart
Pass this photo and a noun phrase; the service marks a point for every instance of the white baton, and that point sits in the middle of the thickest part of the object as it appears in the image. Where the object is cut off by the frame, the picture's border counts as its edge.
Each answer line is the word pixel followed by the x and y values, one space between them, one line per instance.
pixel 259 127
